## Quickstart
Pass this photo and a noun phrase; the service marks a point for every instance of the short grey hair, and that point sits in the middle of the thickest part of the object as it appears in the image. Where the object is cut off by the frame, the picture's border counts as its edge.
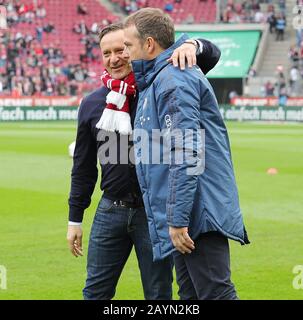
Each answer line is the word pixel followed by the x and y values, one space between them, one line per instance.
pixel 110 28
pixel 151 22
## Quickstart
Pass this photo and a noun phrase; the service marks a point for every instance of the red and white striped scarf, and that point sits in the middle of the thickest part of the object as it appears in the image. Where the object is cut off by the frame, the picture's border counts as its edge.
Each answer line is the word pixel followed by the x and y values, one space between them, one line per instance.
pixel 116 115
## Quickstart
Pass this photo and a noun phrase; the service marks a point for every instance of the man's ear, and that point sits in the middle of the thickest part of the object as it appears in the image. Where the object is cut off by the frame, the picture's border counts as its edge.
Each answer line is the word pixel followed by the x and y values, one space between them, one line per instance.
pixel 151 45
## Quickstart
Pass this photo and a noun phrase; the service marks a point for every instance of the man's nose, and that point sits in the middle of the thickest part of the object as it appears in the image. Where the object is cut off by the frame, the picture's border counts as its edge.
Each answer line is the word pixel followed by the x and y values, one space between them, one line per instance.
pixel 114 59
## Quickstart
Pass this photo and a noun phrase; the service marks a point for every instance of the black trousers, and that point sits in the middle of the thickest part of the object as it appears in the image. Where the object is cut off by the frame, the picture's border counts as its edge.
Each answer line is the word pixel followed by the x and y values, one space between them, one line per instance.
pixel 204 274
pixel 280 35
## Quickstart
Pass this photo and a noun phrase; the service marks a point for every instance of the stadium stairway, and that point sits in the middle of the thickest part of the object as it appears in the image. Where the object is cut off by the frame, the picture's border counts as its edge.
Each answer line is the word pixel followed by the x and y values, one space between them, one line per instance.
pixel 277 51
pixel 276 54
pixel 113 6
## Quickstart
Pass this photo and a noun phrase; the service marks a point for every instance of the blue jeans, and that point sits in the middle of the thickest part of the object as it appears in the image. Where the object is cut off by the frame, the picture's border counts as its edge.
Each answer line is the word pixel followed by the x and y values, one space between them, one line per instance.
pixel 115 230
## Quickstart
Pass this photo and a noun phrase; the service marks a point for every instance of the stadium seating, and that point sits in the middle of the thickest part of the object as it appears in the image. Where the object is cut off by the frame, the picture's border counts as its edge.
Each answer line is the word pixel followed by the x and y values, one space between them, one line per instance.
pixel 201 11
pixel 64 16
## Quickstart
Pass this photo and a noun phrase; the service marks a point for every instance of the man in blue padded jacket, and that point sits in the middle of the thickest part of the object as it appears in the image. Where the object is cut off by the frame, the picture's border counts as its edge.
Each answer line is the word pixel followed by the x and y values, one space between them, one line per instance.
pixel 192 205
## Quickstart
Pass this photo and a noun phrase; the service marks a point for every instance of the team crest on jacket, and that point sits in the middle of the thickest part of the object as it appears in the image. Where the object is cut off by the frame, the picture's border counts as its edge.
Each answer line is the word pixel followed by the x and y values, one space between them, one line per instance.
pixel 168 121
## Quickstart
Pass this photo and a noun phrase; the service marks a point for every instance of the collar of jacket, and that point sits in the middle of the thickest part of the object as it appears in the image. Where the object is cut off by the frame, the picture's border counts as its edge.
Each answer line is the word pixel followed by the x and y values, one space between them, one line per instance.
pixel 146 70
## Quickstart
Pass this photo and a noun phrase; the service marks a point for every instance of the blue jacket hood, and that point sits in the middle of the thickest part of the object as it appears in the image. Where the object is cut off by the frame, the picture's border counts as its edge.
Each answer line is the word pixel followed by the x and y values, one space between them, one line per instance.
pixel 146 70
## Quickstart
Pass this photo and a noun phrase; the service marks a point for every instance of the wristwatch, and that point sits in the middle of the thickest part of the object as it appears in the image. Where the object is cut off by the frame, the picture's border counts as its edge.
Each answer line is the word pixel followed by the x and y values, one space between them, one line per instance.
pixel 194 42
pixel 197 44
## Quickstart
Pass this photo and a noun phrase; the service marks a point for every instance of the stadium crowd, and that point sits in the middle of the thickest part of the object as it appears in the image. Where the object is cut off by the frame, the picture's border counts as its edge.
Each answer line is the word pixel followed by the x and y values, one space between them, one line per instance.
pixel 249 11
pixel 178 9
pixel 288 83
pixel 31 66
pixel 27 68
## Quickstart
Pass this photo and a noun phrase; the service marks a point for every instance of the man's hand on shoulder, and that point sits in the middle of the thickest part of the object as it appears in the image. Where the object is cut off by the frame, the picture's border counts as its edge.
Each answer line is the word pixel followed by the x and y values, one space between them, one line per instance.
pixel 74 239
pixel 186 52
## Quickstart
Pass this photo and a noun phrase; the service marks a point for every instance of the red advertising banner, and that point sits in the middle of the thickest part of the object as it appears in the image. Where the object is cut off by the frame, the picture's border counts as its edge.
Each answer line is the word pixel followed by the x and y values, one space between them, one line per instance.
pixel 265 101
pixel 8 101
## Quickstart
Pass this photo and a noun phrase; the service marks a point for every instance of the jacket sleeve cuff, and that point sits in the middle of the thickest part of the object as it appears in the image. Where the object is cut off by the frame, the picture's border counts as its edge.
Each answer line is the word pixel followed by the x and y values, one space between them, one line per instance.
pixel 178 225
pixel 177 221
pixel 76 214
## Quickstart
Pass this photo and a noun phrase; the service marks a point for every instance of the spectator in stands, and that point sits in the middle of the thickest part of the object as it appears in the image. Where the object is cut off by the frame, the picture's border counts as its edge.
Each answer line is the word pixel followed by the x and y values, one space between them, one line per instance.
pixel 301 51
pixel 49 88
pixel 227 14
pixel 130 6
pixel 272 21
pixel 62 87
pixel 259 17
pixel 299 38
pixel 40 12
pixel 269 89
pixel 49 27
pixel 255 5
pixel 32 61
pixel 89 46
pixel 83 28
pixel 80 74
pixel 169 7
pixel 280 80
pixel 83 56
pixel 294 80
pixel 12 15
pixel 283 96
pixel 82 9
pixel 39 32
pixel 28 88
pixel 26 13
pixel 189 19
pixel 76 28
pixel 73 88
pixel 232 94
pixel 3 56
pixel 294 55
pixel 3 83
pixel 282 6
pixel 94 28
pixel 105 22
pixel 28 40
pixel 251 74
pixel 16 86
pixel 280 27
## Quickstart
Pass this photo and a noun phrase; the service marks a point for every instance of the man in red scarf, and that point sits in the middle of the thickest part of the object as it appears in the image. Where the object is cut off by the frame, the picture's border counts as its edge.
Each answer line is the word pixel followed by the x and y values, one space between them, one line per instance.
pixel 120 222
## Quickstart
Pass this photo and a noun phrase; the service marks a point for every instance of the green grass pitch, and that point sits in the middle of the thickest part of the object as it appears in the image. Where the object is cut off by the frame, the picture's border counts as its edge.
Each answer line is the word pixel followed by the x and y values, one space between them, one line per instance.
pixel 34 187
